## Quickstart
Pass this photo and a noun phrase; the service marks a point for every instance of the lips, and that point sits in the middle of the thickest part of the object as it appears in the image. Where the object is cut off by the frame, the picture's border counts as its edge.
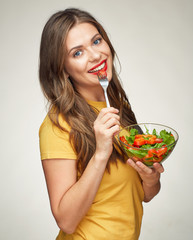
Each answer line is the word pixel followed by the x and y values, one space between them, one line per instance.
pixel 101 66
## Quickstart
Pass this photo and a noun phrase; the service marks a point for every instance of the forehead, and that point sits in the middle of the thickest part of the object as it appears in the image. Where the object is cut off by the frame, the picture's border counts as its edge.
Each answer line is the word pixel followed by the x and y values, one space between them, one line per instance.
pixel 80 34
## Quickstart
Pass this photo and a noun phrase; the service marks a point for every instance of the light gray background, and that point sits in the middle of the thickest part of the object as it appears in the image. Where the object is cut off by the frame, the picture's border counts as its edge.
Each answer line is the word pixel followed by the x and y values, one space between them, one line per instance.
pixel 154 42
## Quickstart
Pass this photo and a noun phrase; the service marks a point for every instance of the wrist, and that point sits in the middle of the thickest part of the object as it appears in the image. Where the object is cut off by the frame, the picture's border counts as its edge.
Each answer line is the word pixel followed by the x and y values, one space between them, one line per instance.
pixel 151 184
pixel 99 160
pixel 102 154
pixel 151 190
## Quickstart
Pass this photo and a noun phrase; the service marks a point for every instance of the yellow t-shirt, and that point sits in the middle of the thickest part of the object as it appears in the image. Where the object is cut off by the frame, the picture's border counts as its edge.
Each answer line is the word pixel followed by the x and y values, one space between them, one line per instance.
pixel 116 211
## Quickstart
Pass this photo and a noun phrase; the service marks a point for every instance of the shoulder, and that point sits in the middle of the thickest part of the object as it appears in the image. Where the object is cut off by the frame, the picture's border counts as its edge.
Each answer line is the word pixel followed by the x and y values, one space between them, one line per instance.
pixel 48 128
pixel 46 124
pixel 54 142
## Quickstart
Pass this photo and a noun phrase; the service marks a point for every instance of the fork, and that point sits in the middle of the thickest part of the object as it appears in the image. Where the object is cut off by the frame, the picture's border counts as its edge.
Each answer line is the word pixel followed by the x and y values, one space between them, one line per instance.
pixel 104 83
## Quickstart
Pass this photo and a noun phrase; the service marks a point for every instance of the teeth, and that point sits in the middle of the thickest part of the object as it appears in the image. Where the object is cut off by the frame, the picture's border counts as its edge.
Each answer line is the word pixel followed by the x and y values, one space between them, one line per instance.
pixel 98 68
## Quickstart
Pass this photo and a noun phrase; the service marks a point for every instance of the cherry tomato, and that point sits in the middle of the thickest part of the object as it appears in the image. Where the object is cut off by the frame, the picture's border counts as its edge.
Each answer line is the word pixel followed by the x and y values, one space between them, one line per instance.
pixel 139 142
pixel 158 140
pixel 150 141
pixel 123 139
pixel 139 136
pixel 161 151
pixel 152 152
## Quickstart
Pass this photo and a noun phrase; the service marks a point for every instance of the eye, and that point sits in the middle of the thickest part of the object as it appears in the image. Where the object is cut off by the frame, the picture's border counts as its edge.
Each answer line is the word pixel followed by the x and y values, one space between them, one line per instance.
pixel 77 53
pixel 97 41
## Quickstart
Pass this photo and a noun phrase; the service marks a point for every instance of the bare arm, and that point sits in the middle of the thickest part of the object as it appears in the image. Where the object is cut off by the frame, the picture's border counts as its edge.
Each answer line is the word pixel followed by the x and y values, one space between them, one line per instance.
pixel 150 178
pixel 70 199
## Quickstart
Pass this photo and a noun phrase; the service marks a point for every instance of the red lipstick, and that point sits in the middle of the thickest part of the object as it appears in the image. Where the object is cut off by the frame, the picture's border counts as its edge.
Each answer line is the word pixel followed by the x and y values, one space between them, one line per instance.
pixel 98 65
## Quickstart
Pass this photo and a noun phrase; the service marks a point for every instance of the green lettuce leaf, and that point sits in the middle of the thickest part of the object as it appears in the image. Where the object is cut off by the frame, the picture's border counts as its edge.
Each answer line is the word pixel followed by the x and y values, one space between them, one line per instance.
pixel 138 153
pixel 131 137
pixel 167 137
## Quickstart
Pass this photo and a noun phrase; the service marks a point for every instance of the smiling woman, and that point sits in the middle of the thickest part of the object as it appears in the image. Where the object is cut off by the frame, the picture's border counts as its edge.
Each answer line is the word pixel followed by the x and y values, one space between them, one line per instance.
pixel 93 193
pixel 88 53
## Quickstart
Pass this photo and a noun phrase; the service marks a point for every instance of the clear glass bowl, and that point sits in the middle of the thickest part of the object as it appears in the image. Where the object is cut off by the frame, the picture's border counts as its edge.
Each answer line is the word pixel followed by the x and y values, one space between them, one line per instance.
pixel 147 154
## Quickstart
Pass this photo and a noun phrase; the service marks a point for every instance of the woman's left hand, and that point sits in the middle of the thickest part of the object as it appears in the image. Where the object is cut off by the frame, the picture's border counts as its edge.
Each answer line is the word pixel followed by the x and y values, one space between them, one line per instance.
pixel 150 177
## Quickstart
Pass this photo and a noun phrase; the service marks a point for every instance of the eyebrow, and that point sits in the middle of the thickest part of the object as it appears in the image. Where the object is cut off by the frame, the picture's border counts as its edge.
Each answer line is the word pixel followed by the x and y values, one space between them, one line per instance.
pixel 80 46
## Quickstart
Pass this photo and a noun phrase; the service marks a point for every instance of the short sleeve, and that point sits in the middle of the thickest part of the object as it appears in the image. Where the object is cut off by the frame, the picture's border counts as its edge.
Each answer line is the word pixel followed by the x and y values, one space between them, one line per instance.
pixel 54 143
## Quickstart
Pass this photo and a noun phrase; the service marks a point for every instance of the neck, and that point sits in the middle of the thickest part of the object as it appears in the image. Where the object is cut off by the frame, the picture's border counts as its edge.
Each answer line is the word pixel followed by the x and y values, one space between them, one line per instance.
pixel 96 95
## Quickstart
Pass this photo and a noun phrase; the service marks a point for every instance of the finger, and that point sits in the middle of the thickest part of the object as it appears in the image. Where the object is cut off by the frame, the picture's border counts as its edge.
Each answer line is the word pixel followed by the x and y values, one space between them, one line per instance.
pixel 134 165
pixel 113 130
pixel 109 116
pixel 158 167
pixel 100 126
pixel 111 122
pixel 104 111
pixel 143 167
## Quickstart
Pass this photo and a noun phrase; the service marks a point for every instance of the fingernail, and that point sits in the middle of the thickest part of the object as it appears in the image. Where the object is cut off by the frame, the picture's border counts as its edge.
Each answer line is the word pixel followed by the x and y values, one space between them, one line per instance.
pixel 129 161
pixel 138 163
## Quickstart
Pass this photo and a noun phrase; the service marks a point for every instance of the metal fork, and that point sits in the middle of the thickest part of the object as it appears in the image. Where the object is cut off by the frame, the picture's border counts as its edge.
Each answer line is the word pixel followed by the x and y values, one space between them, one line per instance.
pixel 104 83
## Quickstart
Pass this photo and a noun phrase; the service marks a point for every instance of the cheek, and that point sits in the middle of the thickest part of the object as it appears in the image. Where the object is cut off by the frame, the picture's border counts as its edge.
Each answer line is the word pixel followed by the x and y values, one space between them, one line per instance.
pixel 110 68
pixel 80 64
pixel 75 67
pixel 110 57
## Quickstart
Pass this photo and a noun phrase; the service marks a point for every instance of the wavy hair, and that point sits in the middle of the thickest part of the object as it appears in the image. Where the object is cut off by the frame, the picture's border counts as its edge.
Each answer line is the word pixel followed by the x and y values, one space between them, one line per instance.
pixel 64 99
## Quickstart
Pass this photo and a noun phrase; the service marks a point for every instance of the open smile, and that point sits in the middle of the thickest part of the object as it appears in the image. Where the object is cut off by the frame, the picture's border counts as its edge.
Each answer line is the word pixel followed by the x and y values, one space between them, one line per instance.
pixel 101 66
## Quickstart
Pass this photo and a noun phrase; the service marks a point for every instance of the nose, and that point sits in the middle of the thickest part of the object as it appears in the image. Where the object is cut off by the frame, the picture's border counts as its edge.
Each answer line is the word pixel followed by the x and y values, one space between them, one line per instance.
pixel 94 54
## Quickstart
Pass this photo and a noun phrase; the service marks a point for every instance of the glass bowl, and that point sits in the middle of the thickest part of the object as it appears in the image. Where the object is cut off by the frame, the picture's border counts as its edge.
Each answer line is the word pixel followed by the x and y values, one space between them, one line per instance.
pixel 148 142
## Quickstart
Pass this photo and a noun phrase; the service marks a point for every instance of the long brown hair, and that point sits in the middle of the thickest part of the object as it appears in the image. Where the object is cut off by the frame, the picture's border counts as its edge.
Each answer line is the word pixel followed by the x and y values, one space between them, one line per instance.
pixel 63 98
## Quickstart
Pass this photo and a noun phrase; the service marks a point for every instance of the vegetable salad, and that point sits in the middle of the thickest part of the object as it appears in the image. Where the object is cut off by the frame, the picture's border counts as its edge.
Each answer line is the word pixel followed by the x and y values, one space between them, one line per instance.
pixel 149 147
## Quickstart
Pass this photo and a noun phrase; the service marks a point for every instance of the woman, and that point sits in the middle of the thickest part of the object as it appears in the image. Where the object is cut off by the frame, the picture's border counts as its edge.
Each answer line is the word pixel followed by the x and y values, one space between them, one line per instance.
pixel 93 193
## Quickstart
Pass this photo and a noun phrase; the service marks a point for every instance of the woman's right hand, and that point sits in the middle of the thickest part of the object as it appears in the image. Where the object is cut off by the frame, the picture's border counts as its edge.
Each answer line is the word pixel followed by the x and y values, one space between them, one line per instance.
pixel 105 127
